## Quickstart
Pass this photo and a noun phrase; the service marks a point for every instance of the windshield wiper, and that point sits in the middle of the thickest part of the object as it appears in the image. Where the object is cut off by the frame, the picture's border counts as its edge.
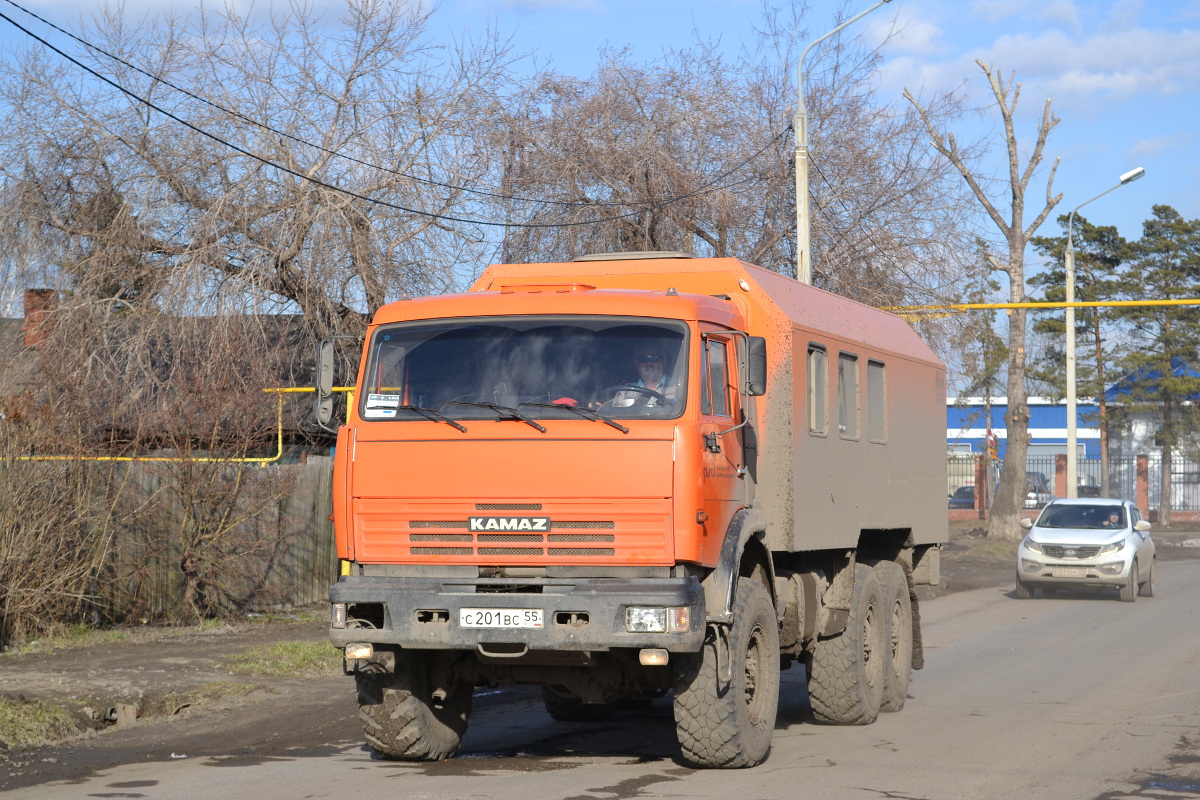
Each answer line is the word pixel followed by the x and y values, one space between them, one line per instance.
pixel 583 411
pixel 505 412
pixel 430 414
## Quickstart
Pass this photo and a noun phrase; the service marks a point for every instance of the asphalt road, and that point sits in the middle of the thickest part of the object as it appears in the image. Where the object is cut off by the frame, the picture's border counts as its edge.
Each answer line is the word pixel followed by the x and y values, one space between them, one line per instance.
pixel 1079 696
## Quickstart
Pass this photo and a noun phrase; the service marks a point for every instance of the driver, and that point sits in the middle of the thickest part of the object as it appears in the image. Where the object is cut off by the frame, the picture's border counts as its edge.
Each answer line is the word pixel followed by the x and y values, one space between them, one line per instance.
pixel 650 362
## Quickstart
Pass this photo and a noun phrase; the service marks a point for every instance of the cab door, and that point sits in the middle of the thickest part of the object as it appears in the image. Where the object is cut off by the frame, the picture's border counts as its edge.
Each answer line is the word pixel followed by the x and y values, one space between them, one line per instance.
pixel 721 438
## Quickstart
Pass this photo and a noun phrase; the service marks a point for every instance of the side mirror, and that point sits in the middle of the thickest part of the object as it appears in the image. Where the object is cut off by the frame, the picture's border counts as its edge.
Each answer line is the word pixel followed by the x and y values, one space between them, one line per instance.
pixel 1026 523
pixel 1141 526
pixel 756 366
pixel 323 383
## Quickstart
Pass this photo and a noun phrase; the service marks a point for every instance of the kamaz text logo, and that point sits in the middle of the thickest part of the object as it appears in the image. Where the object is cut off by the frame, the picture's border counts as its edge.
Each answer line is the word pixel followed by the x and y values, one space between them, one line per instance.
pixel 508 523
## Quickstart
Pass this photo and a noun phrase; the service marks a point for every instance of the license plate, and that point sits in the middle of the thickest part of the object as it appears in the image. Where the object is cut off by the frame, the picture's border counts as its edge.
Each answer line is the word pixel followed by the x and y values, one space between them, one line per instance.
pixel 1068 572
pixel 500 617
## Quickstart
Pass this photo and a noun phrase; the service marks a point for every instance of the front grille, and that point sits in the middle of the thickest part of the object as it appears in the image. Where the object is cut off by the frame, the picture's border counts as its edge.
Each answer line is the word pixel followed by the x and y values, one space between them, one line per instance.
pixel 1077 551
pixel 508 506
pixel 634 531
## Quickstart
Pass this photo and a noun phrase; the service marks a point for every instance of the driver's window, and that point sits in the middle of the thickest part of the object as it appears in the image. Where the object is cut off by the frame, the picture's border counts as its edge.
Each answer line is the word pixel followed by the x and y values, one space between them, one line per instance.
pixel 714 385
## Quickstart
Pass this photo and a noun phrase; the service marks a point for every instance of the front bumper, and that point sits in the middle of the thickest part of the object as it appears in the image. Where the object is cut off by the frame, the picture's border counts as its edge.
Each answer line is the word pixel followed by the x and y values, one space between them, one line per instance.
pixel 1037 569
pixel 584 614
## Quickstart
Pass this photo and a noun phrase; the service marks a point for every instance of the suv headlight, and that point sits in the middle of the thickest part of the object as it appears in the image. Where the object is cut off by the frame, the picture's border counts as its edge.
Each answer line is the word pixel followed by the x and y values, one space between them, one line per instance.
pixel 1030 544
pixel 1115 547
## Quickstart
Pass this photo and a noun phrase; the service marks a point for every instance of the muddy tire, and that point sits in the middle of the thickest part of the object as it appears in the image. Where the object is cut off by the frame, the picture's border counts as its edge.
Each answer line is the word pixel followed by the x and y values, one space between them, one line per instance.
pixel 572 709
pixel 725 707
pixel 898 636
pixel 1024 590
pixel 1147 587
pixel 1129 591
pixel 846 679
pixel 407 717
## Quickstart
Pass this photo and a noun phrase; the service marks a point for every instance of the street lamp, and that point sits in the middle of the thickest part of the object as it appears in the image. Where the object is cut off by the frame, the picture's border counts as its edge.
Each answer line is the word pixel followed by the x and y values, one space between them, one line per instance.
pixel 1069 262
pixel 803 245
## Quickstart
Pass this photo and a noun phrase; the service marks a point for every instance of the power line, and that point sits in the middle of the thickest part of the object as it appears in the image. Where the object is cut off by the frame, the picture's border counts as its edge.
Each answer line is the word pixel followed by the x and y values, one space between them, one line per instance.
pixel 649 204
pixel 444 217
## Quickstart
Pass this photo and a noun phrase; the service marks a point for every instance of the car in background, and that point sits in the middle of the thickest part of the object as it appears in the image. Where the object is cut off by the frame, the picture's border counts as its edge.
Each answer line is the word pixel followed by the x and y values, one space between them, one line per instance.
pixel 1092 543
pixel 963 497
pixel 1038 491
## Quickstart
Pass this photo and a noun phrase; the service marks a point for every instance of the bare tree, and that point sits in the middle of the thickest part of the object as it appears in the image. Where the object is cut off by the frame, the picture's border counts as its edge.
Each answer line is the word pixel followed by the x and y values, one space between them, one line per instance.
pixel 220 193
pixel 693 152
pixel 1010 494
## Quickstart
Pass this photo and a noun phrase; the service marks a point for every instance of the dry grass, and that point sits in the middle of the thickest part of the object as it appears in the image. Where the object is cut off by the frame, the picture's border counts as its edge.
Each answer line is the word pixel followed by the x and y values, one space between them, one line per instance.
pixel 28 723
pixel 289 660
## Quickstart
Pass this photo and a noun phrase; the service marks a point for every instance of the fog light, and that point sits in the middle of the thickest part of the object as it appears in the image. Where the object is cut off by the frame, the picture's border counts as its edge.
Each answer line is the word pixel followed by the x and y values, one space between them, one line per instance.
pixel 654 657
pixel 645 620
pixel 359 650
pixel 337 613
pixel 1112 569
pixel 1030 566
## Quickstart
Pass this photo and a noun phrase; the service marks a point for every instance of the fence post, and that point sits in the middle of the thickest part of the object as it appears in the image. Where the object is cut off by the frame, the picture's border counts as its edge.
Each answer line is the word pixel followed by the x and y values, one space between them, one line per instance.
pixel 1143 485
pixel 981 486
pixel 1060 475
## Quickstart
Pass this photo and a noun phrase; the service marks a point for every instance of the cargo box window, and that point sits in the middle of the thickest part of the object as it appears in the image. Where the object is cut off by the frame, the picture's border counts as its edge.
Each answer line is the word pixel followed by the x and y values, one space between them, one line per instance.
pixel 818 390
pixel 537 367
pixel 876 401
pixel 848 395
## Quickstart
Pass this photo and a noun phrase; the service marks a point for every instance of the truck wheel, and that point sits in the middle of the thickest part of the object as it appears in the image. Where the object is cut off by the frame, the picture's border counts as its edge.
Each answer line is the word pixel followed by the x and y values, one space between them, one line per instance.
pixel 845 684
pixel 725 706
pixel 898 638
pixel 572 709
pixel 406 717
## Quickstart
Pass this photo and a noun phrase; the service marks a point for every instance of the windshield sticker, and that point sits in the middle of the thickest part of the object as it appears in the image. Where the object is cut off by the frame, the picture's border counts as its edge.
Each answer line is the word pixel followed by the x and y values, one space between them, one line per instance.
pixel 379 413
pixel 383 401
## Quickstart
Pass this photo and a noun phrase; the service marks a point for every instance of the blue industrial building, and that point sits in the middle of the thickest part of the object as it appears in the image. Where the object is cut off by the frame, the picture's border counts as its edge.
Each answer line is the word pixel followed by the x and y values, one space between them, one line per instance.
pixel 967 426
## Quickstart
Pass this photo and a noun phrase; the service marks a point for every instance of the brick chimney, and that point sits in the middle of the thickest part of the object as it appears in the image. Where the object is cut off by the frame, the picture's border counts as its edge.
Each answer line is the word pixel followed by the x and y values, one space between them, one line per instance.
pixel 39 303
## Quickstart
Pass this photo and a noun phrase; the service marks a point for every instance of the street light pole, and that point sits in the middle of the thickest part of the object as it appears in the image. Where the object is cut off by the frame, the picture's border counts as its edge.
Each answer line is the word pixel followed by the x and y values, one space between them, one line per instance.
pixel 1069 264
pixel 800 124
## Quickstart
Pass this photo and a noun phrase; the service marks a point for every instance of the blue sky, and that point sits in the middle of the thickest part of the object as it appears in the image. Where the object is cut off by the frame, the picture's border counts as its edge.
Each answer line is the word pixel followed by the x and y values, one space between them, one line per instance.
pixel 1123 74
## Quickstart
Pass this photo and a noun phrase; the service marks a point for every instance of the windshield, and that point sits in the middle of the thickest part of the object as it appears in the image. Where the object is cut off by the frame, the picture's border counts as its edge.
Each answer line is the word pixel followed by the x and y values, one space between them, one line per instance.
pixel 542 367
pixel 1098 517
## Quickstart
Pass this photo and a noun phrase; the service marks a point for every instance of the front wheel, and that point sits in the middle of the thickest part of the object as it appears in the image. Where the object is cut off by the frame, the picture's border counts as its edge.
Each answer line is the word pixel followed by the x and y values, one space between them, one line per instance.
pixel 1129 591
pixel 1147 588
pixel 408 715
pixel 1024 590
pixel 727 695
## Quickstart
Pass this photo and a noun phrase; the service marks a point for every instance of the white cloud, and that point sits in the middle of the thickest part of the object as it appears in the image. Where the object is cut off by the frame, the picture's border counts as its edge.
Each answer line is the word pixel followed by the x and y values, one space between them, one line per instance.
pixel 1060 12
pixel 995 10
pixel 1146 149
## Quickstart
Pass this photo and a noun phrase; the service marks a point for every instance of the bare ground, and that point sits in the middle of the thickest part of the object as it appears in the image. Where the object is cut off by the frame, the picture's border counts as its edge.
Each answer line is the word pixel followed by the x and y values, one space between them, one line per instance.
pixel 181 694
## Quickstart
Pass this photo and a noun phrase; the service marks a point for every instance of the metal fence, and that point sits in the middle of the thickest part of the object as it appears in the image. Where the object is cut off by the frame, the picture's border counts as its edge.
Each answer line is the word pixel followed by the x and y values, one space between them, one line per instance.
pixel 1122 476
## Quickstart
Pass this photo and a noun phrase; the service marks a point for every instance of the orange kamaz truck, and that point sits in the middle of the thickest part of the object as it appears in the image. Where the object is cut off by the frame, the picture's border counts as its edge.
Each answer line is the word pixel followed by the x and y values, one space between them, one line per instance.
pixel 630 475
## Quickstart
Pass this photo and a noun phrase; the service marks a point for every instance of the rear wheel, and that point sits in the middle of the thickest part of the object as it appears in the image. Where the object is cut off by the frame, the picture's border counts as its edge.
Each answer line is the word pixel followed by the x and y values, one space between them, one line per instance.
pixel 1147 588
pixel 409 715
pixel 727 695
pixel 1129 591
pixel 845 683
pixel 898 638
pixel 572 709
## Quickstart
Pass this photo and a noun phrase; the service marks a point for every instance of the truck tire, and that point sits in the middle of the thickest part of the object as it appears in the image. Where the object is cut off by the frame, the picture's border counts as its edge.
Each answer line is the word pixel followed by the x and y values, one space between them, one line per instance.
pixel 572 709
pixel 898 636
pixel 845 683
pixel 729 723
pixel 404 718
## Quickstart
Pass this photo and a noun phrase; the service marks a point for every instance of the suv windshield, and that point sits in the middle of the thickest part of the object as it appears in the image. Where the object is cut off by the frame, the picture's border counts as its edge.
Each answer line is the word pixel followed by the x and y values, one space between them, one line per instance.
pixel 541 367
pixel 1098 517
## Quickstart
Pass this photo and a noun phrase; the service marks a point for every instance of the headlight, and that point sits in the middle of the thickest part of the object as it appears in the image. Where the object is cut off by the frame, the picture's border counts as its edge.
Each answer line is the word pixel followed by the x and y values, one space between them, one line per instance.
pixel 657 620
pixel 1115 547
pixel 1030 544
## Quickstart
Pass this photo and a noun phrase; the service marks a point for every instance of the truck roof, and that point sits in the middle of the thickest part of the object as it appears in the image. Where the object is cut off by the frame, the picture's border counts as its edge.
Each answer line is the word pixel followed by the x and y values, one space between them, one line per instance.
pixel 767 300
